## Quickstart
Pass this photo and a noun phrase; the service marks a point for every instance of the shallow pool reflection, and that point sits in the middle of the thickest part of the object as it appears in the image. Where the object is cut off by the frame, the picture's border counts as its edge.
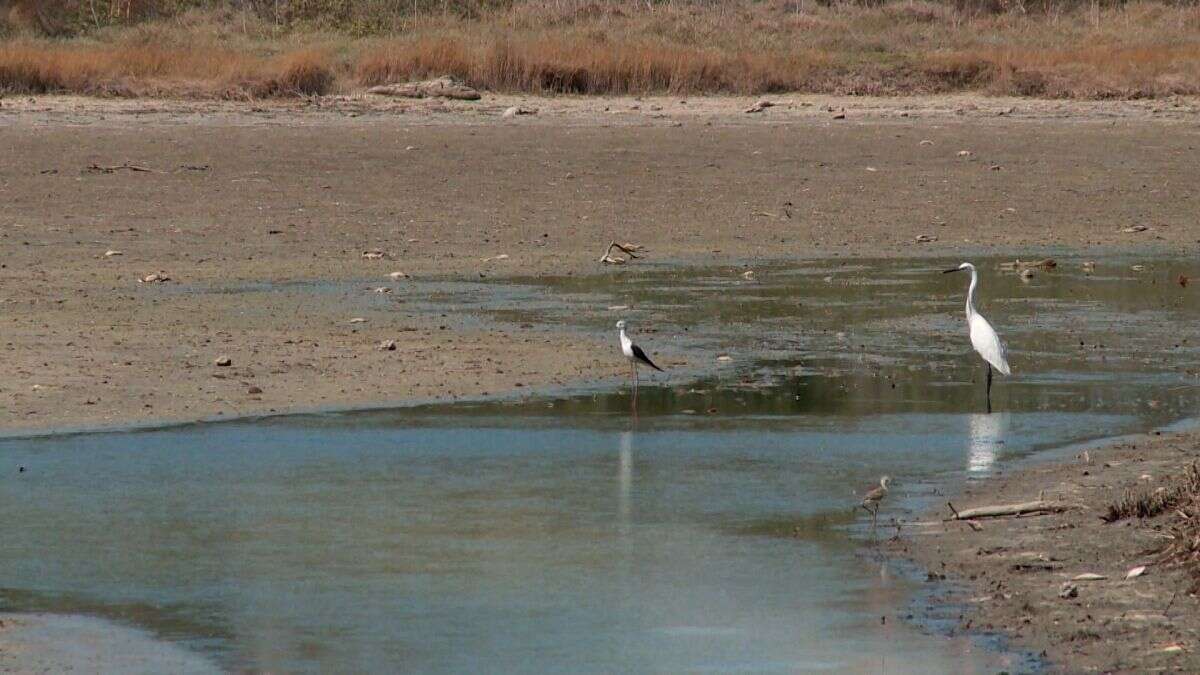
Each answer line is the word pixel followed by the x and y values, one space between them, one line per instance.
pixel 553 534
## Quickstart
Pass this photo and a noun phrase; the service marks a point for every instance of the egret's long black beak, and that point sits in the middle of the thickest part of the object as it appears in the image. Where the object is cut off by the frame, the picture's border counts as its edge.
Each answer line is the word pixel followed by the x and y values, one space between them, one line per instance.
pixel 952 269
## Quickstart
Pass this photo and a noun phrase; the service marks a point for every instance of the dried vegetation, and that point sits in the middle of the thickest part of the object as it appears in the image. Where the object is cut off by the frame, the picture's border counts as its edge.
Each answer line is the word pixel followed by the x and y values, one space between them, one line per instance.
pixel 210 48
pixel 1180 503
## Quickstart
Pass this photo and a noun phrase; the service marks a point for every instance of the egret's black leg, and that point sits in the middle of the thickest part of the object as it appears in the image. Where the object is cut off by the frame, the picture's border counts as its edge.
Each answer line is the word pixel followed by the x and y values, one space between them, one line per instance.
pixel 989 389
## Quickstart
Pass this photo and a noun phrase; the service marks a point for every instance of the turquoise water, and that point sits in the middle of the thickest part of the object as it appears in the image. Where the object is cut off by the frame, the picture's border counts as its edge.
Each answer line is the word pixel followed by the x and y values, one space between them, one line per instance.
pixel 716 533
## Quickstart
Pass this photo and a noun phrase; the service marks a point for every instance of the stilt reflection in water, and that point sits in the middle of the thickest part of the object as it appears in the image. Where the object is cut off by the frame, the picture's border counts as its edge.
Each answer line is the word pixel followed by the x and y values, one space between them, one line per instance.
pixel 624 481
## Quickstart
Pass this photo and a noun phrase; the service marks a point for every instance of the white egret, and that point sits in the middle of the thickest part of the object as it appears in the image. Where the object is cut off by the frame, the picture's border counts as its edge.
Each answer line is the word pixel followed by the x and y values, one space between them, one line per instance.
pixel 983 336
pixel 872 499
pixel 635 355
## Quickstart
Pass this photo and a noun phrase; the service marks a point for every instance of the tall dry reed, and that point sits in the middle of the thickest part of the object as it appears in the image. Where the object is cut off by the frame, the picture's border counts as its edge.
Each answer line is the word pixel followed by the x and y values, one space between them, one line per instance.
pixel 621 46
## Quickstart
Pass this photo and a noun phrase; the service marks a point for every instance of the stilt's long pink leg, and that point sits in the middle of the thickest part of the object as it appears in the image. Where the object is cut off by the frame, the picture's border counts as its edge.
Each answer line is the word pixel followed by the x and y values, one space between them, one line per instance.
pixel 635 388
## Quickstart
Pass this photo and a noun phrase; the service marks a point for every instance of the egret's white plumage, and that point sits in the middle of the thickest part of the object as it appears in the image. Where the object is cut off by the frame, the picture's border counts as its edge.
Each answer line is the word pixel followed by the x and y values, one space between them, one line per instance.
pixel 988 344
pixel 983 337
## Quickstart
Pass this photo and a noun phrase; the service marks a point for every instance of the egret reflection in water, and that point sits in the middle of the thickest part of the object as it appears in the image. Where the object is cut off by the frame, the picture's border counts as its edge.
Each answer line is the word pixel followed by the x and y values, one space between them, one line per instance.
pixel 986 434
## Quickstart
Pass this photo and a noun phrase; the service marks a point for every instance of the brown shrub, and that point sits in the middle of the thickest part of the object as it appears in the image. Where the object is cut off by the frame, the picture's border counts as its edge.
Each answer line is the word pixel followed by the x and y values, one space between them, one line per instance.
pixel 583 64
pixel 623 46
pixel 303 73
pixel 955 72
pixel 1100 71
pixel 427 57
pixel 143 70
pixel 1182 501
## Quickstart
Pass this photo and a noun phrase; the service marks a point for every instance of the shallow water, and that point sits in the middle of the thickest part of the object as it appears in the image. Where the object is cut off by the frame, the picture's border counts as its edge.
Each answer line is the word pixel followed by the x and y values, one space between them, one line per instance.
pixel 715 533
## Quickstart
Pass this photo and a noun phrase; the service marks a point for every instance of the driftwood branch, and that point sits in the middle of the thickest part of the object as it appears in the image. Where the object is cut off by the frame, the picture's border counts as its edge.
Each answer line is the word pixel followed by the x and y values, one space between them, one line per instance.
pixel 1002 510
pixel 971 523
pixel 442 87
pixel 630 250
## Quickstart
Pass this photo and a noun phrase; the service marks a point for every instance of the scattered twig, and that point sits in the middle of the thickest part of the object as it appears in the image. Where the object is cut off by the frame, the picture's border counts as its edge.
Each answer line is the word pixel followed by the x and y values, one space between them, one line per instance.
pixel 628 249
pixel 1036 566
pixel 98 168
pixel 1019 265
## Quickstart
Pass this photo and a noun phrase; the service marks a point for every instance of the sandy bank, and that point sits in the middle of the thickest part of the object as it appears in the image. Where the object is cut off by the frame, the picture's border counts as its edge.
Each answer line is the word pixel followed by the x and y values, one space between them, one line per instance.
pixel 1019 572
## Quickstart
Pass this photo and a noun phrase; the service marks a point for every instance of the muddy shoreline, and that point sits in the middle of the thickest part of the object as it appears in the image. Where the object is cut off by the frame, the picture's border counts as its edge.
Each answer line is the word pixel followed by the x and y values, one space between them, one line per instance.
pixel 1031 578
pixel 41 642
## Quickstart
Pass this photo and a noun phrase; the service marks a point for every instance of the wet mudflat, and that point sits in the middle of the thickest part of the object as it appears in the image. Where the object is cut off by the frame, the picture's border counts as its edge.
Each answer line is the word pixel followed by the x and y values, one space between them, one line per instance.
pixel 438 195
pixel 555 533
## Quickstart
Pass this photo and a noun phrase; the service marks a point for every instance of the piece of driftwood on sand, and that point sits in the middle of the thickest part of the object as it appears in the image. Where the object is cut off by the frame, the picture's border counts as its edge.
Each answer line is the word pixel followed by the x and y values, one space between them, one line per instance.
pixel 442 87
pixel 1001 510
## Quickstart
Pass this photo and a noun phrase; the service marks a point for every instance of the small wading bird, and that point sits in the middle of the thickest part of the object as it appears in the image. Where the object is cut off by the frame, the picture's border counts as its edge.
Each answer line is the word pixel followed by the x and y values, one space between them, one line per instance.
pixel 983 336
pixel 635 355
pixel 872 499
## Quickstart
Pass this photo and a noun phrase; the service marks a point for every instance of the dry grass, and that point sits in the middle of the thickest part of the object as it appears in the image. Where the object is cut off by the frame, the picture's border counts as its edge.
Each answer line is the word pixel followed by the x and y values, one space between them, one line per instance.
pixel 576 46
pixel 1181 503
pixel 582 65
pixel 143 71
pixel 895 48
pixel 1149 504
pixel 1183 546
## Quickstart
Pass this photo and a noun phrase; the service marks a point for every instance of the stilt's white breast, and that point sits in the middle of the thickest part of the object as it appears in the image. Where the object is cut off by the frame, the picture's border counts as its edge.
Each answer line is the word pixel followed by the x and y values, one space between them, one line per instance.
pixel 626 345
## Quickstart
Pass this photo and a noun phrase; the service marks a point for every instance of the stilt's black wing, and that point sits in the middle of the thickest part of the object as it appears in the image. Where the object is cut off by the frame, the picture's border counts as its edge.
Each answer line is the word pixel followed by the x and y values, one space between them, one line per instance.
pixel 641 356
